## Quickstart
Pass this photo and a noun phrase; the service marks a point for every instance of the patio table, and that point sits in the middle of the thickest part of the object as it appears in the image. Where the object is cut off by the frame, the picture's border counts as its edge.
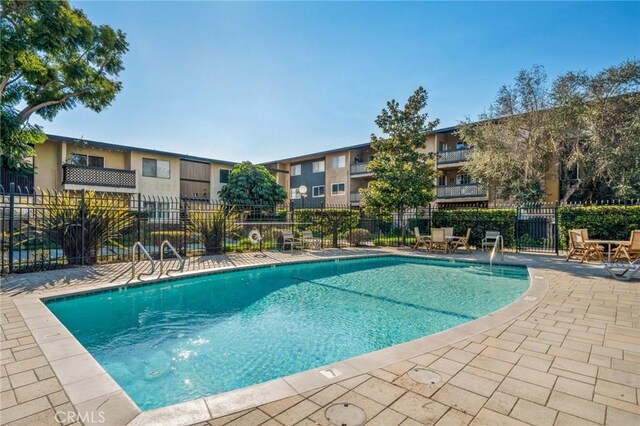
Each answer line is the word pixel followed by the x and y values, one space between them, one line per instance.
pixel 609 243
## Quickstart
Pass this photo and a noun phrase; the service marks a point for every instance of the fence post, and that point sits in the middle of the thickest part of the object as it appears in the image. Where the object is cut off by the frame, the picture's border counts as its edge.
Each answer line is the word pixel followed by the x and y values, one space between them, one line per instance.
pixel 82 226
pixel 184 219
pixel 557 229
pixel 515 227
pixel 12 203
pixel 138 233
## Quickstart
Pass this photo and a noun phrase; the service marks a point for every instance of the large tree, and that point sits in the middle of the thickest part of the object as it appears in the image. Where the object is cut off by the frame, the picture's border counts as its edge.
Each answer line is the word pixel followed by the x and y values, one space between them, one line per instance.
pixel 52 58
pixel 585 128
pixel 403 173
pixel 252 185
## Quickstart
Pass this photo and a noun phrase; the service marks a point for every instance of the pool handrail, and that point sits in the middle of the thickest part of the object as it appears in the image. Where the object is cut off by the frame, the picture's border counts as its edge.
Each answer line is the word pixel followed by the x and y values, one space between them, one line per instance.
pixel 139 245
pixel 175 253
pixel 500 239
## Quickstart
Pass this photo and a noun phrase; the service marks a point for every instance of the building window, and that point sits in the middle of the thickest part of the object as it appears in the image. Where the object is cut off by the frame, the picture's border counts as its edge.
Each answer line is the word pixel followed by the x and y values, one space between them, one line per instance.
pixel 318 191
pixel 224 176
pixel 337 188
pixel 339 162
pixel 86 160
pixel 461 145
pixel 442 180
pixel 296 170
pixel 157 210
pixel 295 194
pixel 463 179
pixel 156 168
pixel 318 166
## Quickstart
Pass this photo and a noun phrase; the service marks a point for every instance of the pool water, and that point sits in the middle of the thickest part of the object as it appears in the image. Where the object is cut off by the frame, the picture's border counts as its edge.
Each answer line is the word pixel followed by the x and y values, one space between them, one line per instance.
pixel 179 340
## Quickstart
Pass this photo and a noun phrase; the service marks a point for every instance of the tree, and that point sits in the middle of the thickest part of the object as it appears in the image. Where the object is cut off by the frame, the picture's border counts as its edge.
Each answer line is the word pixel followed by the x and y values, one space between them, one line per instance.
pixel 252 184
pixel 403 173
pixel 512 143
pixel 585 127
pixel 52 58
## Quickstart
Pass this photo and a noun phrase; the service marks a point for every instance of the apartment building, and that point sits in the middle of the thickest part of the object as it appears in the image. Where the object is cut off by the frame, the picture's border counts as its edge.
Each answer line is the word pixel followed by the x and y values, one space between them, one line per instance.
pixel 65 163
pixel 344 172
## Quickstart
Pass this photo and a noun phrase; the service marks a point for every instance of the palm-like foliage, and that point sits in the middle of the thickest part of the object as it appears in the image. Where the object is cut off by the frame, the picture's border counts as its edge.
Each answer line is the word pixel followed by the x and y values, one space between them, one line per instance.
pixel 81 225
pixel 211 225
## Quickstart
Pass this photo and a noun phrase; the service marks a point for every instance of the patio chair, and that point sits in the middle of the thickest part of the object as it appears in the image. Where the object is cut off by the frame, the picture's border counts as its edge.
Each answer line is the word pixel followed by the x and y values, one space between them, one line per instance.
pixel 623 271
pixel 421 240
pixel 438 240
pixel 461 242
pixel 308 240
pixel 489 240
pixel 289 239
pixel 578 247
pixel 632 250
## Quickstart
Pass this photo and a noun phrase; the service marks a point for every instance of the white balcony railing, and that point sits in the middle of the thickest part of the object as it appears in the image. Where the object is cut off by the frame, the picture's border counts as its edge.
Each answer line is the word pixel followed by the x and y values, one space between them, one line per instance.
pixel 359 168
pixel 454 156
pixel 460 191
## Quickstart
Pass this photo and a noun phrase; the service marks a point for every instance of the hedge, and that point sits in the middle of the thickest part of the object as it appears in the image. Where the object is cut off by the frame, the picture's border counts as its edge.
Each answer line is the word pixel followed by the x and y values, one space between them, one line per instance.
pixel 480 221
pixel 603 222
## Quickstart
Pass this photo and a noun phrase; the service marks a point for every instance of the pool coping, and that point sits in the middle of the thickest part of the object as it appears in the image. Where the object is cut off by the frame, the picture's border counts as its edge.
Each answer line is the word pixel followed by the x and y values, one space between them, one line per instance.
pixel 93 391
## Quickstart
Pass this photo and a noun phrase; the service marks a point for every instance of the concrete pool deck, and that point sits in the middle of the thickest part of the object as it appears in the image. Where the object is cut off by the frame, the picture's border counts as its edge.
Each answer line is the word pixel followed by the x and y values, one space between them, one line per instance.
pixel 569 357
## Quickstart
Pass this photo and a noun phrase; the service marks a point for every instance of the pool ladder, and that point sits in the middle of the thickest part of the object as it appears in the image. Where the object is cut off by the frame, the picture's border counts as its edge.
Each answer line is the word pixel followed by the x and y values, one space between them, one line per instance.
pixel 165 243
pixel 499 239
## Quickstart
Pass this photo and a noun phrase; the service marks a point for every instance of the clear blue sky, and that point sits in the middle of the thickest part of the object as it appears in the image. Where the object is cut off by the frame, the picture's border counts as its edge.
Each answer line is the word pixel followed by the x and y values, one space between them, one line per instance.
pixel 262 81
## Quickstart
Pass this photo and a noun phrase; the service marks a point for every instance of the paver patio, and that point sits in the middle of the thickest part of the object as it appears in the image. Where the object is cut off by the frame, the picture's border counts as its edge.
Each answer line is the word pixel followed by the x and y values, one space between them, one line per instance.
pixel 573 359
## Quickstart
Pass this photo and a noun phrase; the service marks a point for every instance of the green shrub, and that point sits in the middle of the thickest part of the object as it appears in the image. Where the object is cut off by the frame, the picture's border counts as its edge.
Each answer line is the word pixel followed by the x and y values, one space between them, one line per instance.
pixel 480 221
pixel 359 236
pixel 603 222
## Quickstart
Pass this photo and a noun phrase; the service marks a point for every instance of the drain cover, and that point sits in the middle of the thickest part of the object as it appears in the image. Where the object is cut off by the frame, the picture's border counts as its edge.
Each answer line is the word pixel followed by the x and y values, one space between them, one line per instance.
pixel 422 375
pixel 345 414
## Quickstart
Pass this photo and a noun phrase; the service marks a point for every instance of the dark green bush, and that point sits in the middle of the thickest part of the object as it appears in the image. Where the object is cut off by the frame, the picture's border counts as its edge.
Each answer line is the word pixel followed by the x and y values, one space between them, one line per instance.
pixel 360 236
pixel 603 222
pixel 327 222
pixel 480 221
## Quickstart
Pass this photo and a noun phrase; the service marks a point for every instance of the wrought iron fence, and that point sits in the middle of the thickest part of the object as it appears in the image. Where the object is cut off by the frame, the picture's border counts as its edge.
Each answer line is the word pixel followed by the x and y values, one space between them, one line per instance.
pixel 43 230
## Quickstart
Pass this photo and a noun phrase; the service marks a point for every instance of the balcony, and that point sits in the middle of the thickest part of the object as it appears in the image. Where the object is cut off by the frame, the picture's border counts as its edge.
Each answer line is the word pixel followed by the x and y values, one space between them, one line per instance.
pixel 455 156
pixel 355 197
pixel 460 191
pixel 22 181
pixel 98 176
pixel 359 169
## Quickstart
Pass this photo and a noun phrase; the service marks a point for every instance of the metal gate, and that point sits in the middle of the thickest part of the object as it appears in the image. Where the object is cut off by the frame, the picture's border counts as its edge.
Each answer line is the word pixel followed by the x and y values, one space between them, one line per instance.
pixel 537 228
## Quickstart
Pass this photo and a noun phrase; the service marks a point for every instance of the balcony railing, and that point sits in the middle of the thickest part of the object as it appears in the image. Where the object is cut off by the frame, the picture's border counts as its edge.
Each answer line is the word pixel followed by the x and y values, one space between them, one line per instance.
pixel 454 156
pixel 460 191
pixel 355 197
pixel 98 176
pixel 22 181
pixel 360 168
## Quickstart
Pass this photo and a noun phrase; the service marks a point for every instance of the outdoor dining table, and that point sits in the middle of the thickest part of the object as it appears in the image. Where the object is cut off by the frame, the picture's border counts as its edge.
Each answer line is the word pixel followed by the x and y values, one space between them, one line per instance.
pixel 609 243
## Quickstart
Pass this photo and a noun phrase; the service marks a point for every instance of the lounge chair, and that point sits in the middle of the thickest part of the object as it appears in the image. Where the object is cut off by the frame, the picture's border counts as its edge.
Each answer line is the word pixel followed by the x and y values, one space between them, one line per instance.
pixel 308 240
pixel 421 240
pixel 289 239
pixel 489 240
pixel 578 247
pixel 438 240
pixel 623 271
pixel 632 250
pixel 461 242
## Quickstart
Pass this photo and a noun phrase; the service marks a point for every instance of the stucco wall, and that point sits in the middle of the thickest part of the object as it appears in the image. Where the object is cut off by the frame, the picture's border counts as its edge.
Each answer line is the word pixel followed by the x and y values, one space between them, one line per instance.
pixel 152 185
pixel 339 175
pixel 216 185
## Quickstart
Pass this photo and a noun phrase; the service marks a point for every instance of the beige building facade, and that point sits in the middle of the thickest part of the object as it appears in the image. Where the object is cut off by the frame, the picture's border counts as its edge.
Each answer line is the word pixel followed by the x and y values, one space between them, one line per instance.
pixel 64 163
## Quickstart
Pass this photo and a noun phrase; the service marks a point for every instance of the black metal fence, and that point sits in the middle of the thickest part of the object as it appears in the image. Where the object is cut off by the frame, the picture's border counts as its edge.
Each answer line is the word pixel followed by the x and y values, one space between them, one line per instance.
pixel 43 230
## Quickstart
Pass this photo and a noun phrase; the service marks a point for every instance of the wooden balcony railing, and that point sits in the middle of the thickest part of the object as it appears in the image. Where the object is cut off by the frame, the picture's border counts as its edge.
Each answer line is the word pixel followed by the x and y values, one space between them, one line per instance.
pixel 98 176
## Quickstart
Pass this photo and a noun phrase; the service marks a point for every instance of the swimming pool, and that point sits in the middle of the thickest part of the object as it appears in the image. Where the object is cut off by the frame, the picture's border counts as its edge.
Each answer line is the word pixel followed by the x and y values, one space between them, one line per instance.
pixel 183 339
